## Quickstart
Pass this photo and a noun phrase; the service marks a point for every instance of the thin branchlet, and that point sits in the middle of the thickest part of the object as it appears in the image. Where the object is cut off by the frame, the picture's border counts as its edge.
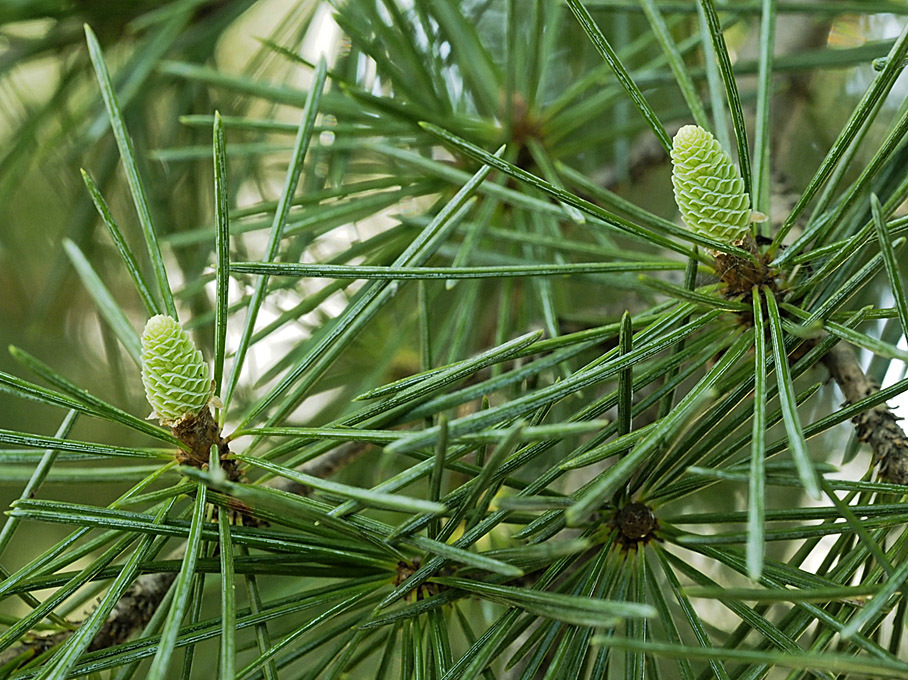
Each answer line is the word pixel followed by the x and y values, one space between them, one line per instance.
pixel 878 427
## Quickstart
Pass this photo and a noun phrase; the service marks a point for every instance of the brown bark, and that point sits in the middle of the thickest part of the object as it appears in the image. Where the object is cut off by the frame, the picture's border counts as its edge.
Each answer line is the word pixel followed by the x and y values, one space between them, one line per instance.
pixel 877 426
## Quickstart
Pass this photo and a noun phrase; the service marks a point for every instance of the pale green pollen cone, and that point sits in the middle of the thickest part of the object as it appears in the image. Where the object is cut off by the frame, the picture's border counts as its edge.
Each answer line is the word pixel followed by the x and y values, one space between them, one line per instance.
pixel 708 188
pixel 176 377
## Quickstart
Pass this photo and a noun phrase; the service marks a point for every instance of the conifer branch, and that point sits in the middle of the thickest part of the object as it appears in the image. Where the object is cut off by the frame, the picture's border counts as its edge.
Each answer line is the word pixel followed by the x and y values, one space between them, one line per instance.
pixel 877 426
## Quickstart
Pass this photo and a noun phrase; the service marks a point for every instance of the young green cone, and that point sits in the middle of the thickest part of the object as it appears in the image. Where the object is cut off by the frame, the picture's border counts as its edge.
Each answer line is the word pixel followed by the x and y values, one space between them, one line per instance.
pixel 709 190
pixel 176 378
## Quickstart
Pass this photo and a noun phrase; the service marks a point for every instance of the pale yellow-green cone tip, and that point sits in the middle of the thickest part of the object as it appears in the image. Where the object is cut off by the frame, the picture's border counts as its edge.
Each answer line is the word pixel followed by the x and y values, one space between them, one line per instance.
pixel 175 375
pixel 708 188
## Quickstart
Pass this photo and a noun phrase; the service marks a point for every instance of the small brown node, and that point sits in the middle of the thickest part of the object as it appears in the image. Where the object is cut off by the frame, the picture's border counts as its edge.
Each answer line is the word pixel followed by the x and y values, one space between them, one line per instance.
pixel 239 514
pixel 200 432
pixel 525 127
pixel 405 570
pixel 636 523
pixel 741 274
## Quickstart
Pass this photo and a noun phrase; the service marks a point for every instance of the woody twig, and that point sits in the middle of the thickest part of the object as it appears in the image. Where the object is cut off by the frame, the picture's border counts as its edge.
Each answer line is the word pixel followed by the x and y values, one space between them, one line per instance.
pixel 878 427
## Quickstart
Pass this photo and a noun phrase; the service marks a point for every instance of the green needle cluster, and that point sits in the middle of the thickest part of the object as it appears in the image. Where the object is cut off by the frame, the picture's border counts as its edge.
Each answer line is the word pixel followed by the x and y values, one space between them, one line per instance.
pixel 449 250
pixel 176 378
pixel 709 190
